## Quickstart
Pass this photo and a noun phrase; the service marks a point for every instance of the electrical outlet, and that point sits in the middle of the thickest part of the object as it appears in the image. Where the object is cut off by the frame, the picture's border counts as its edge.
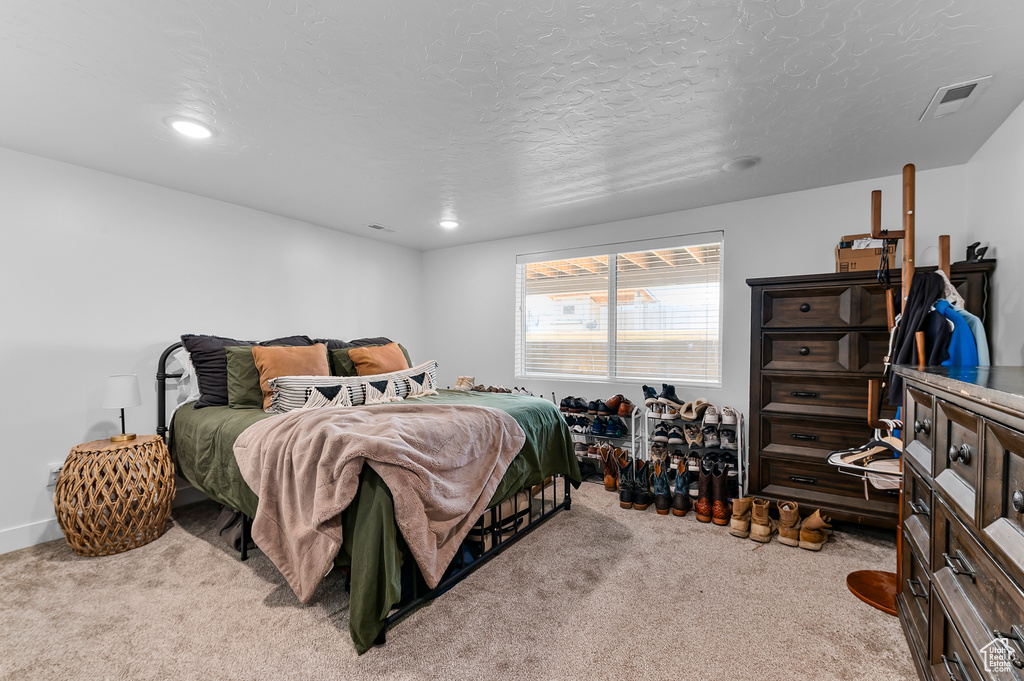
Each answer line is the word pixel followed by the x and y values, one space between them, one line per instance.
pixel 54 471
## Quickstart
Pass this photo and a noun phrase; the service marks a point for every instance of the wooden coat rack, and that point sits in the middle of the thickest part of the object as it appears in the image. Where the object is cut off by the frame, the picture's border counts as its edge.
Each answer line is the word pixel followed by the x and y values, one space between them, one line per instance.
pixel 876 587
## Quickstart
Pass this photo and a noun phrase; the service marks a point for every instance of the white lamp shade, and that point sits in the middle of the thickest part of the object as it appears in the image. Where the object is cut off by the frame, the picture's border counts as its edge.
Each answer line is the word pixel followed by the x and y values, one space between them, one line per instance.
pixel 121 392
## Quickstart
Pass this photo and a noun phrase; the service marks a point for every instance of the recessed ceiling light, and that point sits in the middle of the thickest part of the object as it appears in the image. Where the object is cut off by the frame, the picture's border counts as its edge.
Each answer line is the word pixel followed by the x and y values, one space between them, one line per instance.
pixel 741 163
pixel 449 224
pixel 189 128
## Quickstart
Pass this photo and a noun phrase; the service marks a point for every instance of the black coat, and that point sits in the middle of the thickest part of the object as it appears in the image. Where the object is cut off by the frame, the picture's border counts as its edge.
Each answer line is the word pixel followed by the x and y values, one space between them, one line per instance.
pixel 926 288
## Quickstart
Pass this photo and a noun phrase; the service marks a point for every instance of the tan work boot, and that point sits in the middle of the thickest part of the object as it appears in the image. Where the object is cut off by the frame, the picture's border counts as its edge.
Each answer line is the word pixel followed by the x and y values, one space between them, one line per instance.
pixel 789 523
pixel 762 527
pixel 815 531
pixel 739 524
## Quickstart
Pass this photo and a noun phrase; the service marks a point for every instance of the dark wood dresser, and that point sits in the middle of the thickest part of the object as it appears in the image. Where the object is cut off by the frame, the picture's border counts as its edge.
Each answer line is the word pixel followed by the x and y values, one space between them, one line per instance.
pixel 963 522
pixel 815 342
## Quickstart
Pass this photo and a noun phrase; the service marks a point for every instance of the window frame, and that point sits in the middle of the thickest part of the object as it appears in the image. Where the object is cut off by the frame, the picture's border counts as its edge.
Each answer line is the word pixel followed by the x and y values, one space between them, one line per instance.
pixel 612 251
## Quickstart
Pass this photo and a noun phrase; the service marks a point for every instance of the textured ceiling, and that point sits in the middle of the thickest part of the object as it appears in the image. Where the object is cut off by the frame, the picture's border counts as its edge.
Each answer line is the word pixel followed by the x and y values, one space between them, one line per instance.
pixel 511 117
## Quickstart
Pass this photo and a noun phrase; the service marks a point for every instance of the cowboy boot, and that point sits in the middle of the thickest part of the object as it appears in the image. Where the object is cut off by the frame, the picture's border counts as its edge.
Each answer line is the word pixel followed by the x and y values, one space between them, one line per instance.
pixel 680 495
pixel 815 531
pixel 789 523
pixel 762 527
pixel 642 495
pixel 609 456
pixel 662 490
pixel 739 524
pixel 626 478
pixel 720 507
pixel 704 502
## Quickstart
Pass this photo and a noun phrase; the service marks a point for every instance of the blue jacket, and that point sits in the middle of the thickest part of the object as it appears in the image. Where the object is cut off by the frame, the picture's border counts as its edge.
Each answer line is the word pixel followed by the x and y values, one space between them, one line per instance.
pixel 963 350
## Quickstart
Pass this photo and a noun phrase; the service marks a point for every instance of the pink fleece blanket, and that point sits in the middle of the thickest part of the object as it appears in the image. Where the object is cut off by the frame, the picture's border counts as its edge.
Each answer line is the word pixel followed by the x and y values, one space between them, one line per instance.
pixel 442 464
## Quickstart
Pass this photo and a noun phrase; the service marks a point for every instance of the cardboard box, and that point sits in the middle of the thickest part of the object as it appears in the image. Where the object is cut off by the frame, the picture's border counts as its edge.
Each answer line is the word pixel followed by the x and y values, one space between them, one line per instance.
pixel 860 259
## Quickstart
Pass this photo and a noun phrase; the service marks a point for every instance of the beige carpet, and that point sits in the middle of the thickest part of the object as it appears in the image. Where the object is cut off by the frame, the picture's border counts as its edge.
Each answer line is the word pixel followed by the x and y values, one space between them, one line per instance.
pixel 598 593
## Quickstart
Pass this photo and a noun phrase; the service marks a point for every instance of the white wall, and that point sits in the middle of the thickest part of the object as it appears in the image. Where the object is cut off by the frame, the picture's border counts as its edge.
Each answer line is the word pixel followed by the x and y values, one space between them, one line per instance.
pixel 995 210
pixel 470 290
pixel 100 273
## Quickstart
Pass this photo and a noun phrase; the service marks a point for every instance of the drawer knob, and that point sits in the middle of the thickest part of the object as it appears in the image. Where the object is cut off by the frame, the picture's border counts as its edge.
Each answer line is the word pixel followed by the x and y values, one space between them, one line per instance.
pixel 955 660
pixel 923 426
pixel 804 480
pixel 959 565
pixel 805 308
pixel 1017 636
pixel 961 453
pixel 918 508
pixel 805 351
pixel 914 584
pixel 1018 501
pixel 802 436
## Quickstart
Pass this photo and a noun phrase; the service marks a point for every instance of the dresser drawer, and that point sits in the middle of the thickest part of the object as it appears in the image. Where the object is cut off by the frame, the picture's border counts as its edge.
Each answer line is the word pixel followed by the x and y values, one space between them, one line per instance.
pixel 820 483
pixel 824 351
pixel 843 396
pixel 916 590
pixel 826 306
pixel 917 512
pixel 978 595
pixel 919 435
pixel 1002 520
pixel 956 464
pixel 949 657
pixel 808 437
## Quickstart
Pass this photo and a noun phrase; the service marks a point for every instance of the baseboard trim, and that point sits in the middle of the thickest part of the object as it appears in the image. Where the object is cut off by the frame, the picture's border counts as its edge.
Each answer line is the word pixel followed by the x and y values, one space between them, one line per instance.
pixel 14 538
pixel 23 536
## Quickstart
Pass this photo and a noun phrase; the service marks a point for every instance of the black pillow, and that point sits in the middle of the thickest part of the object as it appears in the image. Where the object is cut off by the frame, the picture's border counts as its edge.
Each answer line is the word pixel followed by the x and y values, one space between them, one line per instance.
pixel 210 360
pixel 334 344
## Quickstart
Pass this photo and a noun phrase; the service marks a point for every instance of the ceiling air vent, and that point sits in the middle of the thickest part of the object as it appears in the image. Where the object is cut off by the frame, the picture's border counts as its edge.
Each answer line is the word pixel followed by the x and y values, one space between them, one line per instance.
pixel 952 98
pixel 382 228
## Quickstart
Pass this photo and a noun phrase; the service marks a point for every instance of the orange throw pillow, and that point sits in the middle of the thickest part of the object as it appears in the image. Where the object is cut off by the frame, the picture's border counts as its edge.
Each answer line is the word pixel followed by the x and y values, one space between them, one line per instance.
pixel 382 359
pixel 310 360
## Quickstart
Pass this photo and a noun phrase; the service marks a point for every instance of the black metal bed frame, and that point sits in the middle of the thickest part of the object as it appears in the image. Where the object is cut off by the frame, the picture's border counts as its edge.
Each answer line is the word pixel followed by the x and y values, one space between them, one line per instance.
pixel 472 554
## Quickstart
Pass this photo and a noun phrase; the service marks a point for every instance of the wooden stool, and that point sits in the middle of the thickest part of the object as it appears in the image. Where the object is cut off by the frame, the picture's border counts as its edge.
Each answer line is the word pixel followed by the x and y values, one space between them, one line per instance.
pixel 114 496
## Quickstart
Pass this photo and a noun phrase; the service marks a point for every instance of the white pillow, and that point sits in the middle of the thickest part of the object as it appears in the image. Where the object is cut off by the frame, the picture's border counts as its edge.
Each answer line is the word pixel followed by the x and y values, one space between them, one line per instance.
pixel 292 392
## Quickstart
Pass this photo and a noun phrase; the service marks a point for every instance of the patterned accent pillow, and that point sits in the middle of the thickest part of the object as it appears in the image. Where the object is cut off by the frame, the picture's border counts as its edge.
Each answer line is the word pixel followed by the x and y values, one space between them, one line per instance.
pixel 380 392
pixel 292 392
pixel 421 385
pixel 328 396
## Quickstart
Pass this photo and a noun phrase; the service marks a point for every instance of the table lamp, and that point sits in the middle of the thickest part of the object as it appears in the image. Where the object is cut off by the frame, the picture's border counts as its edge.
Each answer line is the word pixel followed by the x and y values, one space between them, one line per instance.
pixel 120 392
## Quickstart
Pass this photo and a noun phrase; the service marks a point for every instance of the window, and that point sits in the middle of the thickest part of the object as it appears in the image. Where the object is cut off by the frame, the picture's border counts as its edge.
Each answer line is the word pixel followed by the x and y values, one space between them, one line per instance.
pixel 665 325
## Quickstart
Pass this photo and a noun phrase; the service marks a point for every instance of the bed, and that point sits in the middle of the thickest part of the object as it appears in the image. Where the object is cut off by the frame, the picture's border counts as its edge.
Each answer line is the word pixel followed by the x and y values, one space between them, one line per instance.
pixel 384 582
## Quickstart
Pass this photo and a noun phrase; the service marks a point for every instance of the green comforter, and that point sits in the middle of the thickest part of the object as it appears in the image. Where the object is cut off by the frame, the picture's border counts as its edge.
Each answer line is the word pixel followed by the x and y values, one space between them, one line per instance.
pixel 201 446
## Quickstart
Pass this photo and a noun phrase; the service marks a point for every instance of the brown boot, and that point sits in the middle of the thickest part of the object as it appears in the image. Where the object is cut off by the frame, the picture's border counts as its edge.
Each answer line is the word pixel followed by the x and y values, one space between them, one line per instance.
pixel 762 527
pixel 720 507
pixel 789 523
pixel 704 503
pixel 739 524
pixel 815 531
pixel 609 457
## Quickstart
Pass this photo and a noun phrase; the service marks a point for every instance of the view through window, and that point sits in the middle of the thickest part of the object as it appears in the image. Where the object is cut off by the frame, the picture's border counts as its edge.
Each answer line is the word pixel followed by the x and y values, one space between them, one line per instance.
pixel 665 324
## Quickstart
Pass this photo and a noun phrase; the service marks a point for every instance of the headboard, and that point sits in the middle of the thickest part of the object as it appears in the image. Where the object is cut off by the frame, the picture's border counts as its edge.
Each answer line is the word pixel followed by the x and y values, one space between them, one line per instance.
pixel 161 389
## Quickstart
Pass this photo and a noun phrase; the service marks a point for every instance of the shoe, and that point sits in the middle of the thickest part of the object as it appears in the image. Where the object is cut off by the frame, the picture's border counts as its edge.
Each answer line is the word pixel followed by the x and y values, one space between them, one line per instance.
pixel 592 408
pixel 815 531
pixel 669 413
pixel 739 524
pixel 711 416
pixel 580 448
pixel 578 406
pixel 609 456
pixel 675 436
pixel 660 476
pixel 593 450
pixel 710 434
pixel 703 505
pixel 729 417
pixel 613 403
pixel 660 433
pixel 680 489
pixel 728 438
pixel 626 479
pixel 563 406
pixel 619 426
pixel 762 527
pixel 650 396
pixel 694 435
pixel 464 383
pixel 625 408
pixel 668 396
pixel 642 494
pixel 599 426
pixel 605 409
pixel 720 507
pixel 479 388
pixel 789 523
pixel 693 411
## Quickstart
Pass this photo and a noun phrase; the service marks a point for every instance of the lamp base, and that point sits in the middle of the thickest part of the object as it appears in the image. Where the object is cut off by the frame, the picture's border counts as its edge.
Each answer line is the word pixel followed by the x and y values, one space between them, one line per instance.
pixel 123 437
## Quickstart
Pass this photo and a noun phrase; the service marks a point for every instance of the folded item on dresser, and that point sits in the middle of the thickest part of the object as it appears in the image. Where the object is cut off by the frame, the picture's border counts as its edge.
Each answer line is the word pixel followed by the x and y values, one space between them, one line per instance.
pixel 442 463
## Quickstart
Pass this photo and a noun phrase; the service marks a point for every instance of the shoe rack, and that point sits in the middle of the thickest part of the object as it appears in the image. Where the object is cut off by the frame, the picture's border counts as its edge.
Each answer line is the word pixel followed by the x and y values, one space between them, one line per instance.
pixel 651 421
pixel 635 441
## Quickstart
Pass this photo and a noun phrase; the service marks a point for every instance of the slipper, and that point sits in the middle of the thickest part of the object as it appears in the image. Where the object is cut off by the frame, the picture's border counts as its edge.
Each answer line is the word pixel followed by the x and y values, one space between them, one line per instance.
pixel 692 411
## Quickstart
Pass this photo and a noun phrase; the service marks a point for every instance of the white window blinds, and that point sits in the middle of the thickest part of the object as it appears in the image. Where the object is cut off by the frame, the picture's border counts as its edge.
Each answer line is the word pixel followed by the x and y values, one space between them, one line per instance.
pixel 664 327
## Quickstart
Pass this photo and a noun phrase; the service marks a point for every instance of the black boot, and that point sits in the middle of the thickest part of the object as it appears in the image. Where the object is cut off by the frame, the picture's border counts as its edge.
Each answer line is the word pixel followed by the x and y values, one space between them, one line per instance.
pixel 626 479
pixel 662 487
pixel 642 494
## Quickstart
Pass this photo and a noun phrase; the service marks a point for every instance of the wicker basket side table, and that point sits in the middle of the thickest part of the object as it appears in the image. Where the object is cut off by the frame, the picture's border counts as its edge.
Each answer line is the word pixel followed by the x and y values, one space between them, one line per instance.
pixel 114 496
